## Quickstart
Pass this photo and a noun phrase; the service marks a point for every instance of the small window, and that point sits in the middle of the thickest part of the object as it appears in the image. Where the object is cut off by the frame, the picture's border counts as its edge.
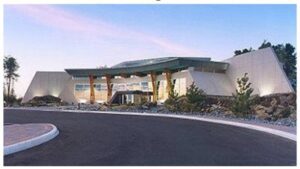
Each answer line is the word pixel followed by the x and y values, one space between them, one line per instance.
pixel 82 87
pixel 129 98
pixel 100 87
pixel 144 86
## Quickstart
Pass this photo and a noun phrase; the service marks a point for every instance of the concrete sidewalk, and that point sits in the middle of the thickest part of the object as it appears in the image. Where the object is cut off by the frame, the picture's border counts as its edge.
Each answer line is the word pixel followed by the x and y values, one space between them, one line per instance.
pixel 18 137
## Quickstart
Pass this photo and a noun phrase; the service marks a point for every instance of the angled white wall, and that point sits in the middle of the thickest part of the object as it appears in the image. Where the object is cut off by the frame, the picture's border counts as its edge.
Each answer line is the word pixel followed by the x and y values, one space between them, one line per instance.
pixel 46 83
pixel 213 83
pixel 67 93
pixel 264 71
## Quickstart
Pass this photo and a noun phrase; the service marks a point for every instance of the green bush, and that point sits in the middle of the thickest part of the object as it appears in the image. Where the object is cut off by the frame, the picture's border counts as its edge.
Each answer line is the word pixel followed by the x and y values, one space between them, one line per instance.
pixel 172 102
pixel 193 101
pixel 143 100
pixel 195 98
pixel 242 101
pixel 12 100
pixel 45 100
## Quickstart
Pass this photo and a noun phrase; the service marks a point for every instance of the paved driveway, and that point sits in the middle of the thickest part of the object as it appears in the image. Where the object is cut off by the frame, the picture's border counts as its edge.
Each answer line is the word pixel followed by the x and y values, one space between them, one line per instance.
pixel 103 139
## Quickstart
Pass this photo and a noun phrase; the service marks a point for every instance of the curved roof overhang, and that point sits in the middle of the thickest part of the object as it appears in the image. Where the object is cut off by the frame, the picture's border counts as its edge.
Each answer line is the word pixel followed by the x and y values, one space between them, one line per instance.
pixel 174 64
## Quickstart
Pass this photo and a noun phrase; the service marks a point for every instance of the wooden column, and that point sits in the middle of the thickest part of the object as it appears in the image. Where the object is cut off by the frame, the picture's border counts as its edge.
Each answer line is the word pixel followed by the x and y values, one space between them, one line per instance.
pixel 109 87
pixel 169 82
pixel 154 86
pixel 92 90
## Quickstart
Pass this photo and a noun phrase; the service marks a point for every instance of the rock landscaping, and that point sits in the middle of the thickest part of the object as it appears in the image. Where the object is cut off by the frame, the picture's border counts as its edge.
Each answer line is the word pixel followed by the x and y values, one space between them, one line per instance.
pixel 277 109
pixel 47 100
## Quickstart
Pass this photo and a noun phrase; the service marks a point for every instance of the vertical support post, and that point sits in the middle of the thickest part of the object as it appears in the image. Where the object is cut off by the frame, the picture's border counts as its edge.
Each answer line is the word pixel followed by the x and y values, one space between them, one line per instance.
pixel 169 83
pixel 109 87
pixel 92 91
pixel 154 88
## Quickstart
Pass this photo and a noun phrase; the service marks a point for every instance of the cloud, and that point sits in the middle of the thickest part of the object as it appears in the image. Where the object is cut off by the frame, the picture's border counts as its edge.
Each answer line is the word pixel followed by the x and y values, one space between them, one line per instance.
pixel 61 19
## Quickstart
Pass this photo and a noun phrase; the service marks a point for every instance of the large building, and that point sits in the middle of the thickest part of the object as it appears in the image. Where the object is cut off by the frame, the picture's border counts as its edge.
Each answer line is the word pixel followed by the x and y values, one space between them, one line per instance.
pixel 151 79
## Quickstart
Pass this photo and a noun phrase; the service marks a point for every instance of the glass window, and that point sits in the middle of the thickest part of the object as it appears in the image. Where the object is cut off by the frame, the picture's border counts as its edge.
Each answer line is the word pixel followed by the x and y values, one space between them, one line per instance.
pixel 78 87
pixel 119 87
pixel 82 87
pixel 129 98
pixel 144 86
pixel 133 86
pixel 80 78
pixel 100 87
pixel 122 87
pixel 97 87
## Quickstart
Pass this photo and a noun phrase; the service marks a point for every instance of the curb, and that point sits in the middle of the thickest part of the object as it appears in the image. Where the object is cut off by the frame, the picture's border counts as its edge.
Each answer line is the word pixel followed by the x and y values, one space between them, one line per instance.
pixel 231 123
pixel 20 146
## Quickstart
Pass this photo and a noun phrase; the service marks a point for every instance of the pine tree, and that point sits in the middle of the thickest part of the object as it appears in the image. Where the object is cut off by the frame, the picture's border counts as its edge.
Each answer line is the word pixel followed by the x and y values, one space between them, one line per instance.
pixel 196 97
pixel 172 102
pixel 242 101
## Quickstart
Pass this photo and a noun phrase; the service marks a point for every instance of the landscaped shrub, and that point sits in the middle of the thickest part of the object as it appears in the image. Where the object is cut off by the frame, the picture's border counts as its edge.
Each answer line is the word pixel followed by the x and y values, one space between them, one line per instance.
pixel 172 102
pixel 242 102
pixel 143 100
pixel 195 98
pixel 45 100
pixel 11 100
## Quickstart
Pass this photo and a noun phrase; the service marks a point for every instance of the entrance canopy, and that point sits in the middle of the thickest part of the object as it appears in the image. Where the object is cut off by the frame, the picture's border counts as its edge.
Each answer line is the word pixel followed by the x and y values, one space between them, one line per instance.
pixel 144 67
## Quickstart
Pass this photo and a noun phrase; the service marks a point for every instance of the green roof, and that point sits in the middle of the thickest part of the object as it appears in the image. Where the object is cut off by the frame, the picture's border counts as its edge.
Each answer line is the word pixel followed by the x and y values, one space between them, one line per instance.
pixel 144 67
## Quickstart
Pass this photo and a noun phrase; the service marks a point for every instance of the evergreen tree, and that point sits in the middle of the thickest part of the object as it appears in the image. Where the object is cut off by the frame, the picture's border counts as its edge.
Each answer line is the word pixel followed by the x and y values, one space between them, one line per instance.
pixel 10 68
pixel 242 101
pixel 196 97
pixel 238 52
pixel 172 102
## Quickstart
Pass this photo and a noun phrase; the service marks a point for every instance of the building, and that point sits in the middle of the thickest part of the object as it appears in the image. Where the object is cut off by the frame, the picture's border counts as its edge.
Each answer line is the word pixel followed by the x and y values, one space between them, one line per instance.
pixel 151 79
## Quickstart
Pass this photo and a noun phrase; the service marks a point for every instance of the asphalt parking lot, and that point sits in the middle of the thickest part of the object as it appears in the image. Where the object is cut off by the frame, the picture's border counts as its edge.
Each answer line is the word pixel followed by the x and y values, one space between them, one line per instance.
pixel 117 140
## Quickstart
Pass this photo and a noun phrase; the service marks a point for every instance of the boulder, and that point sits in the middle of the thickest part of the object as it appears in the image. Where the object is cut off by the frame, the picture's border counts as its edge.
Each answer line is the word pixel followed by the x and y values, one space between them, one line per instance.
pixel 103 108
pixel 273 102
pixel 150 104
pixel 270 110
pixel 162 109
pixel 260 108
pixel 228 113
pixel 261 114
pixel 293 109
pixel 293 116
pixel 145 107
pixel 284 101
pixel 215 106
pixel 291 99
pixel 282 112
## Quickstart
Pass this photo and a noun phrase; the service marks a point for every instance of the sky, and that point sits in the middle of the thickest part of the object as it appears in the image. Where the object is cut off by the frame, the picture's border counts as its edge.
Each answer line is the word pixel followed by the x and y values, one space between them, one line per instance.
pixel 56 37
